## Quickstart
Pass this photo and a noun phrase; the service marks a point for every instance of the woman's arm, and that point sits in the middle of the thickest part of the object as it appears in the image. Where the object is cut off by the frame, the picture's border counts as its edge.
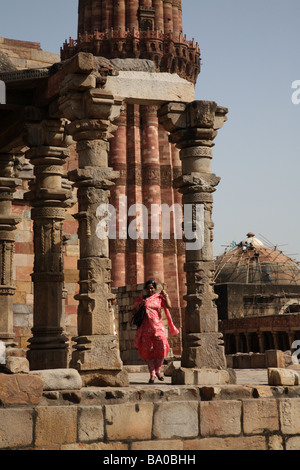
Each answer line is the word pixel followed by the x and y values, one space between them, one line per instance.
pixel 166 298
pixel 139 303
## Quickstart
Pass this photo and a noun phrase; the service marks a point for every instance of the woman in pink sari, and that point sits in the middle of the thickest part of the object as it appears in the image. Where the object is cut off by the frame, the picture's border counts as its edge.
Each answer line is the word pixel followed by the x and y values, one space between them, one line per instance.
pixel 151 337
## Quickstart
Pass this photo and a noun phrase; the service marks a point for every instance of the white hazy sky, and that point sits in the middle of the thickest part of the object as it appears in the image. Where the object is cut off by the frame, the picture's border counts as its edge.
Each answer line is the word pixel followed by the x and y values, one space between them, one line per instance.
pixel 250 57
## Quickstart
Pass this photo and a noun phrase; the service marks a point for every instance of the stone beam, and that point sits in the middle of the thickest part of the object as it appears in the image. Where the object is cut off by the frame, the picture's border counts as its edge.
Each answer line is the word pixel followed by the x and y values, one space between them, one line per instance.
pixel 147 88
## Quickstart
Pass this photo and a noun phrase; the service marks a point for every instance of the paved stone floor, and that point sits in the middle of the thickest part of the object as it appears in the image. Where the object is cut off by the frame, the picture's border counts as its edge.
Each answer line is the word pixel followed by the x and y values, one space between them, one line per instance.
pixel 244 377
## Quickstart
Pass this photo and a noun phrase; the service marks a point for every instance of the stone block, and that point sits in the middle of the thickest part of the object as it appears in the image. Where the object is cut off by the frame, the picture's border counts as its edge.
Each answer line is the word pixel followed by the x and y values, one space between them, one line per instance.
pixel 186 376
pixel 244 361
pixel 171 368
pixel 293 443
pixel 16 365
pixel 150 88
pixel 227 443
pixel 129 421
pixel 274 358
pixel 277 376
pixel 55 425
pixel 171 444
pixel 289 413
pixel 220 418
pixel 59 379
pixel 90 423
pixel 176 420
pixel 257 361
pixel 260 415
pixel 16 427
pixel 20 389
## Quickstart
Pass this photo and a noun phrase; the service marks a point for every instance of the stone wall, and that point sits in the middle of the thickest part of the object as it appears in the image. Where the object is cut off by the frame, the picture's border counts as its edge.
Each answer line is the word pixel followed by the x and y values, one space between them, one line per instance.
pixel 177 418
pixel 27 55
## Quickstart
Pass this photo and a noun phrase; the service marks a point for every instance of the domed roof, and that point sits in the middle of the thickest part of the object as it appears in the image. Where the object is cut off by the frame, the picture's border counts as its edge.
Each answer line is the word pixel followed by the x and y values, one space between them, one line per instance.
pixel 5 64
pixel 250 262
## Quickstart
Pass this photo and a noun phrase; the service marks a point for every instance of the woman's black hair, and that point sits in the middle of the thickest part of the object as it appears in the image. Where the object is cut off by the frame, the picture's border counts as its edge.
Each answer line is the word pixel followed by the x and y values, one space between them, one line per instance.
pixel 150 282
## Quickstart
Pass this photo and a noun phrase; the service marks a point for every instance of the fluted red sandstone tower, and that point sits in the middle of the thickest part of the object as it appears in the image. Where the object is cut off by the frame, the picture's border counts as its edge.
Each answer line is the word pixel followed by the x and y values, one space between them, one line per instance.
pixel 140 151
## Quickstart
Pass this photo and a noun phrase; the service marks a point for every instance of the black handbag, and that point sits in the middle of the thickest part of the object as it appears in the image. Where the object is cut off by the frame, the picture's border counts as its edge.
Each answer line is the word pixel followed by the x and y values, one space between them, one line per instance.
pixel 138 318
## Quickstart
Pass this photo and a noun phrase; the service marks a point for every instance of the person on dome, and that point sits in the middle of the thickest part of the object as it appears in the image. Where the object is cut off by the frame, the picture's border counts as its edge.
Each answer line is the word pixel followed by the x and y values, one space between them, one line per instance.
pixel 151 337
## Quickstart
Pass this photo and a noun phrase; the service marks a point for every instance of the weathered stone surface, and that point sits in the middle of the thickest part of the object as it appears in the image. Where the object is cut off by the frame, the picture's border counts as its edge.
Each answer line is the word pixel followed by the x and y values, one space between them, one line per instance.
pixel 205 376
pixel 274 358
pixel 170 444
pixel 227 443
pixel 59 379
pixel 220 418
pixel 174 365
pixel 16 426
pixel 168 422
pixel 293 443
pixel 277 376
pixel 289 412
pixel 48 432
pixel 90 423
pixel 16 365
pixel 104 378
pixel 225 392
pixel 20 389
pixel 260 415
pixel 132 421
pixel 150 88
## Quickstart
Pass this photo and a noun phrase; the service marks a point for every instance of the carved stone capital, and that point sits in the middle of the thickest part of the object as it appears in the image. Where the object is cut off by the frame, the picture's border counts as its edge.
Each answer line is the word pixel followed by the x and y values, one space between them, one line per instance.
pixel 50 132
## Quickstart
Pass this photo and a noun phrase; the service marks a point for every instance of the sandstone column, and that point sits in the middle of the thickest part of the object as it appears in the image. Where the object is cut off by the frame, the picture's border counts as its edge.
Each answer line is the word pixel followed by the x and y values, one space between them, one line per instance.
pixel 152 193
pixel 48 141
pixel 193 128
pixel 8 223
pixel 91 111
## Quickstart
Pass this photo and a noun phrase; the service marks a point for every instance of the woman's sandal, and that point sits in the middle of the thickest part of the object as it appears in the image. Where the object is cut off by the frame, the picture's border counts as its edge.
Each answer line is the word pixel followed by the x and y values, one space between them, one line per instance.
pixel 151 380
pixel 160 377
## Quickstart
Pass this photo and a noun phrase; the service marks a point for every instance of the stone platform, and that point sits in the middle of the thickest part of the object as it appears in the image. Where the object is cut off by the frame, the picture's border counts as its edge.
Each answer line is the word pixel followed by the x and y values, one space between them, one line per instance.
pixel 249 415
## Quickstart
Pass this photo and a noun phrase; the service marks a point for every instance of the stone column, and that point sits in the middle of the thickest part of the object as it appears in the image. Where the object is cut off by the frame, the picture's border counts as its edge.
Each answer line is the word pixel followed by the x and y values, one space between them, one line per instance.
pixel 96 353
pixel 159 14
pixel 193 127
pixel 48 141
pixel 118 161
pixel 132 14
pixel 153 255
pixel 120 15
pixel 8 223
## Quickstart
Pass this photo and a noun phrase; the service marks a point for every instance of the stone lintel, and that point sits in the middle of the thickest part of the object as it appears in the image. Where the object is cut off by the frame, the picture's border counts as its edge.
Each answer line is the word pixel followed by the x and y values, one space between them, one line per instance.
pixel 147 88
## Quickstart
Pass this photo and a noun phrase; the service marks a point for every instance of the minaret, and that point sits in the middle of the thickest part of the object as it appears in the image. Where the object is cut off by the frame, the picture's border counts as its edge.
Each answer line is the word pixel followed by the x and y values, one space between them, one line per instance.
pixel 139 29
pixel 141 151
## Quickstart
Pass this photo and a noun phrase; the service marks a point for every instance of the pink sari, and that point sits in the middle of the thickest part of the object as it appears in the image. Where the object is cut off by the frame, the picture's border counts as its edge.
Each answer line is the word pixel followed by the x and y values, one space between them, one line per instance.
pixel 151 338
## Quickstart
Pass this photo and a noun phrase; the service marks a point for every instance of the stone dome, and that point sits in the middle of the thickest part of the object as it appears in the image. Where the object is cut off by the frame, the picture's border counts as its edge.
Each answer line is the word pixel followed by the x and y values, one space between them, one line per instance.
pixel 251 262
pixel 5 64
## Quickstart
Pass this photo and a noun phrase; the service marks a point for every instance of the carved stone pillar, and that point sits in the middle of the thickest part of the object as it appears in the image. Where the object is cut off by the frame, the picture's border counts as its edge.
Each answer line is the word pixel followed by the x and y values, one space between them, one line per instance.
pixel 193 127
pixel 96 355
pixel 48 141
pixel 8 223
